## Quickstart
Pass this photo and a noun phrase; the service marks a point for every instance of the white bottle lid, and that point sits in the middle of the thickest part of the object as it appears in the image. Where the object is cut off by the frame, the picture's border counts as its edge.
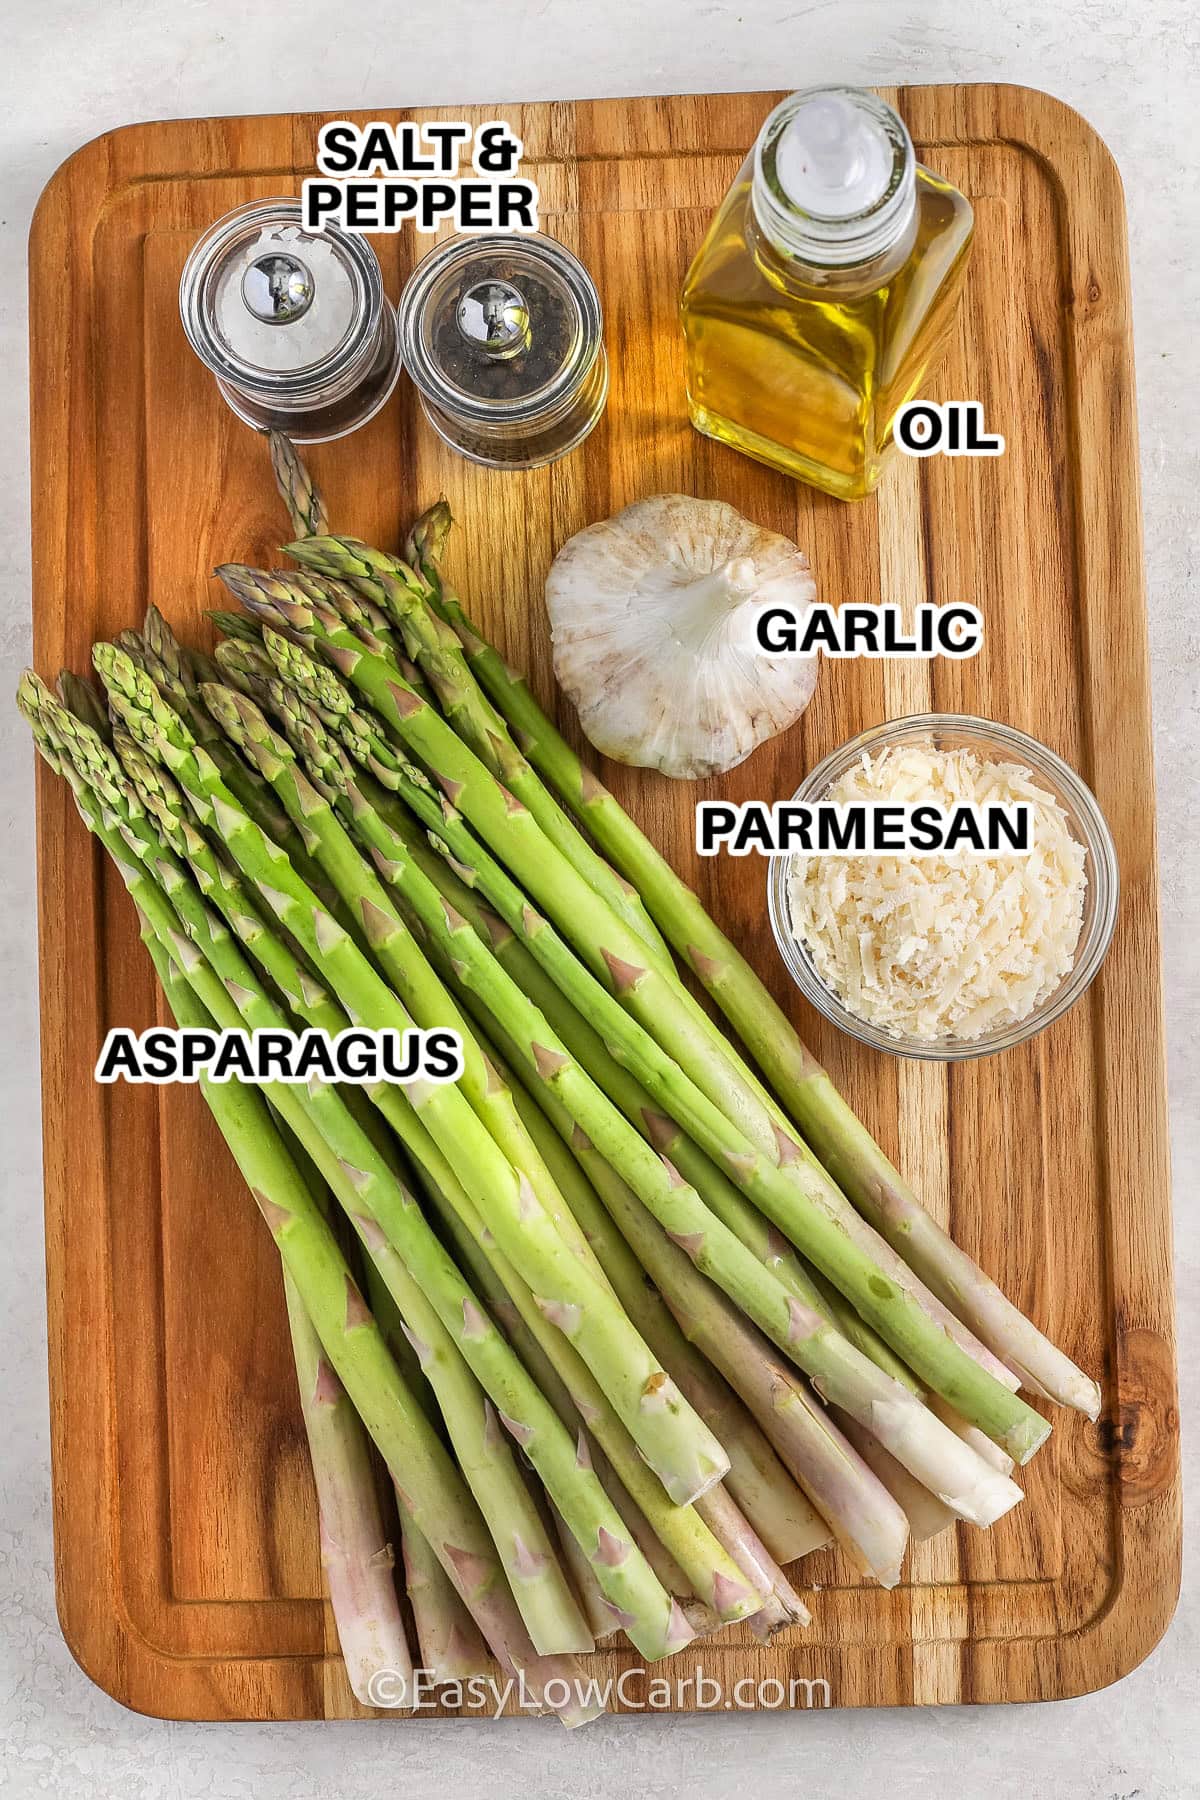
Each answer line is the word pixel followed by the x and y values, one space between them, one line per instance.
pixel 834 160
pixel 834 177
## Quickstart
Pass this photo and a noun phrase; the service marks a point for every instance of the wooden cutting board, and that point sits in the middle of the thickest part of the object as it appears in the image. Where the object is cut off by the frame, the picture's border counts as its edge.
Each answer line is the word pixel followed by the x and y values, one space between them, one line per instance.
pixel 188 1576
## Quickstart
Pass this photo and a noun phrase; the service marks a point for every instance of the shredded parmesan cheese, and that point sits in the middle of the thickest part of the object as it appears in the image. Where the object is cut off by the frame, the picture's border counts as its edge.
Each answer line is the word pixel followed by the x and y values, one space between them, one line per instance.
pixel 943 946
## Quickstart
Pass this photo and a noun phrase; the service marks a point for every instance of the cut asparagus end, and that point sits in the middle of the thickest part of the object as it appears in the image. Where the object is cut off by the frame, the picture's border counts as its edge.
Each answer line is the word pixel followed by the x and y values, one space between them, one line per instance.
pixel 972 1489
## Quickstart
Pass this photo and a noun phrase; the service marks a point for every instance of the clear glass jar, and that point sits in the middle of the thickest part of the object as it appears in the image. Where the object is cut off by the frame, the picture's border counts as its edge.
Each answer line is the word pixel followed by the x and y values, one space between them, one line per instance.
pixel 294 324
pixel 824 290
pixel 993 743
pixel 502 335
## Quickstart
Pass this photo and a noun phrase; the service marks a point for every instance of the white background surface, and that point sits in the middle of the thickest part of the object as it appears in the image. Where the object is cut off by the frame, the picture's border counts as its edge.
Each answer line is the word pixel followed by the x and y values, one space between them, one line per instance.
pixel 69 70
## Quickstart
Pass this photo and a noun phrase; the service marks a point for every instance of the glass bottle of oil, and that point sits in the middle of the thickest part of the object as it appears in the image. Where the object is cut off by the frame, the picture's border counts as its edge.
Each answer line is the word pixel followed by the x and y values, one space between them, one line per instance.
pixel 824 290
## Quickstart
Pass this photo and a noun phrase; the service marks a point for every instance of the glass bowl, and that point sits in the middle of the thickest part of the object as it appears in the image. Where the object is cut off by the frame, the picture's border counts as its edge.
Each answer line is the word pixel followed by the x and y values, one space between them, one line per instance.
pixel 954 731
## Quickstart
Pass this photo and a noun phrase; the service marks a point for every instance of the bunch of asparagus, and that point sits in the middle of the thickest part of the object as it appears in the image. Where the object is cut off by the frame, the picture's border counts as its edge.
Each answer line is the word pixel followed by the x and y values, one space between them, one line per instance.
pixel 633 1321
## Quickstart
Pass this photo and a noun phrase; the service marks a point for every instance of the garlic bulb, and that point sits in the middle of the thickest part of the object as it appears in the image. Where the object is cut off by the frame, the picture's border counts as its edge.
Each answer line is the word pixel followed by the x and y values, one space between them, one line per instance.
pixel 652 615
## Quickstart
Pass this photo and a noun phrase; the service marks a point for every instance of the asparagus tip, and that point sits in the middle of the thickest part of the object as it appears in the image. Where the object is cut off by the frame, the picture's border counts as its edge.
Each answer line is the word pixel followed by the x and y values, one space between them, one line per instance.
pixel 233 711
pixel 30 691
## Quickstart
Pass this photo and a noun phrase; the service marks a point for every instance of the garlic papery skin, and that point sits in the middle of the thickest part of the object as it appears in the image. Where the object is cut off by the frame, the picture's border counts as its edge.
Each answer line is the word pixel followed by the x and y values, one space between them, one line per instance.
pixel 652 617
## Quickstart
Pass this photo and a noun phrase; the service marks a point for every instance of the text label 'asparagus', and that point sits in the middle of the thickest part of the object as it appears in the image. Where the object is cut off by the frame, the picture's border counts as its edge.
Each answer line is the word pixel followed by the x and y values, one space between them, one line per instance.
pixel 167 1054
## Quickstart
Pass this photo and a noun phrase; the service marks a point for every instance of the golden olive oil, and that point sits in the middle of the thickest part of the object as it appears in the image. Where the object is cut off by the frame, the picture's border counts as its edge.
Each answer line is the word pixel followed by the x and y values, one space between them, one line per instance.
pixel 803 363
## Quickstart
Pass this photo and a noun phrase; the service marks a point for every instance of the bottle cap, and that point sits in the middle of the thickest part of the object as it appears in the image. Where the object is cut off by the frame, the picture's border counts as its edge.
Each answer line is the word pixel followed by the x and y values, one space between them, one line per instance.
pixel 834 158
pixel 834 176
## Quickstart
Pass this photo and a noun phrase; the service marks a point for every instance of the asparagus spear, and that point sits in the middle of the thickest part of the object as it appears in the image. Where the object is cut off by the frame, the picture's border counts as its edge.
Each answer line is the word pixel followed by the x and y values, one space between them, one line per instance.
pixel 843 1144
pixel 782 1606
pixel 449 1641
pixel 298 490
pixel 359 614
pixel 596 1609
pixel 451 1645
pixel 811 1218
pixel 355 1554
pixel 674 1441
pixel 81 698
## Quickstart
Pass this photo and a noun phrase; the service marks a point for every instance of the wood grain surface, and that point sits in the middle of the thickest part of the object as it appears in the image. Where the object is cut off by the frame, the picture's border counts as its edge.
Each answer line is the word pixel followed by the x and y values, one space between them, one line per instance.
pixel 187 1566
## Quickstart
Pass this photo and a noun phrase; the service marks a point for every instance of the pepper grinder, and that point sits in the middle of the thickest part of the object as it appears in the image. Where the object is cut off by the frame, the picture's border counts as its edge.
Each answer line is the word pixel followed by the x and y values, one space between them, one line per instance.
pixel 502 335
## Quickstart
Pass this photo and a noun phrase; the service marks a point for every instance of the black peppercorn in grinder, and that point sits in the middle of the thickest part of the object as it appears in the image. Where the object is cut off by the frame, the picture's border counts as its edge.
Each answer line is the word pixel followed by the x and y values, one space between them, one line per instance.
pixel 502 336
